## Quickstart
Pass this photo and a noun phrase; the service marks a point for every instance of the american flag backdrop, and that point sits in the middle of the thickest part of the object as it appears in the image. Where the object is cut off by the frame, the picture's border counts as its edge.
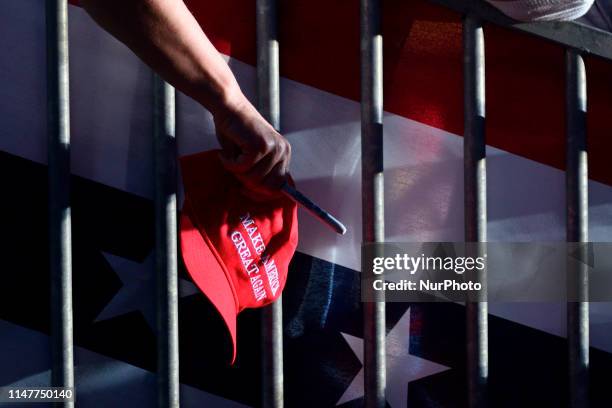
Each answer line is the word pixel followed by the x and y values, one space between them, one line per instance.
pixel 113 226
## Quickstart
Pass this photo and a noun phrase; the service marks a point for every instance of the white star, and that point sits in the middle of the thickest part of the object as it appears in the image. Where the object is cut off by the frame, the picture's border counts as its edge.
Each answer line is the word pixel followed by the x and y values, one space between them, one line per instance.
pixel 402 367
pixel 138 290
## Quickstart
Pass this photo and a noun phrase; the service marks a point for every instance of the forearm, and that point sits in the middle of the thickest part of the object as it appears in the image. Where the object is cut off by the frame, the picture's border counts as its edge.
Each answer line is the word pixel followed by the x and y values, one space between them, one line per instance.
pixel 166 36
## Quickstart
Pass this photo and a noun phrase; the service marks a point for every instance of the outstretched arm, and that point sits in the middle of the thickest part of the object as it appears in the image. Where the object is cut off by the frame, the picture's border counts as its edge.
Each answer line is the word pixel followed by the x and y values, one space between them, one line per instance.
pixel 166 36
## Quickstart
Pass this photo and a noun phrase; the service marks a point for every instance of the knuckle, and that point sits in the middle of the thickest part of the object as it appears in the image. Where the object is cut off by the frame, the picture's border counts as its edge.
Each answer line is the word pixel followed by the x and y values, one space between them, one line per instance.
pixel 281 150
pixel 270 145
pixel 287 149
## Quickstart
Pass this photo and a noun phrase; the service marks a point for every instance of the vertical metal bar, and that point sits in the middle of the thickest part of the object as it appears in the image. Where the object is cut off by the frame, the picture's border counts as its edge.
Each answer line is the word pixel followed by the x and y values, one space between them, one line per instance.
pixel 268 93
pixel 577 226
pixel 272 355
pixel 268 80
pixel 164 142
pixel 60 238
pixel 475 197
pixel 372 185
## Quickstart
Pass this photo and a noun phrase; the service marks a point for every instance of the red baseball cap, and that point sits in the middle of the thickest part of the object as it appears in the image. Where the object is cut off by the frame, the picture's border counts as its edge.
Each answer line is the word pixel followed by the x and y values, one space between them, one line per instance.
pixel 237 250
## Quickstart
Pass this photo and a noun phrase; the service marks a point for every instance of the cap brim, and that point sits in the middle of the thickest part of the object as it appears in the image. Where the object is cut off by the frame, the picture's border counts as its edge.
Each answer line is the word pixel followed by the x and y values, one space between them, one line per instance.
pixel 208 275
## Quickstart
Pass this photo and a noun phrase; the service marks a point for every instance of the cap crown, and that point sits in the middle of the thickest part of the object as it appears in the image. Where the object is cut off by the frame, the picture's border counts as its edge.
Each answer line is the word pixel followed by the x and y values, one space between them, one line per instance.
pixel 252 241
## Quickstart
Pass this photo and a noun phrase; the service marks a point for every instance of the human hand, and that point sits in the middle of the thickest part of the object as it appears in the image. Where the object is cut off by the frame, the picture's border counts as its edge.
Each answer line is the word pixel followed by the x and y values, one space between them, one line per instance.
pixel 251 148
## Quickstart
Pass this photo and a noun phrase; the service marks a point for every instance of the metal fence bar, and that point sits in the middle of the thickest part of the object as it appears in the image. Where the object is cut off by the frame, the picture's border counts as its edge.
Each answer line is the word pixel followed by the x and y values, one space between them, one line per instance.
pixel 272 355
pixel 588 40
pixel 372 187
pixel 60 237
pixel 164 142
pixel 475 197
pixel 268 93
pixel 577 227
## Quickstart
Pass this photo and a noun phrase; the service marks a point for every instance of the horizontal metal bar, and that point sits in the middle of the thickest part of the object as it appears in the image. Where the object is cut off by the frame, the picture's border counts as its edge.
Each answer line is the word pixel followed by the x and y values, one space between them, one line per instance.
pixel 164 142
pixel 577 228
pixel 586 39
pixel 60 237
pixel 475 197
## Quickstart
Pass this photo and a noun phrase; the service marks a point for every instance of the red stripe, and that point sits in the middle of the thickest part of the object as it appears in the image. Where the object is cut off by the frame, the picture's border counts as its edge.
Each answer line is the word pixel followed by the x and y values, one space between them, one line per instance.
pixel 319 42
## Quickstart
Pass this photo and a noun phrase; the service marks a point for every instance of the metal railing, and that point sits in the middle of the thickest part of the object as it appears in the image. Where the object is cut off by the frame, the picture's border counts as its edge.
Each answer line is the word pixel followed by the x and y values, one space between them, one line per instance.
pixel 576 38
pixel 475 199
pixel 60 232
pixel 576 176
pixel 268 95
pixel 372 193
pixel 166 180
